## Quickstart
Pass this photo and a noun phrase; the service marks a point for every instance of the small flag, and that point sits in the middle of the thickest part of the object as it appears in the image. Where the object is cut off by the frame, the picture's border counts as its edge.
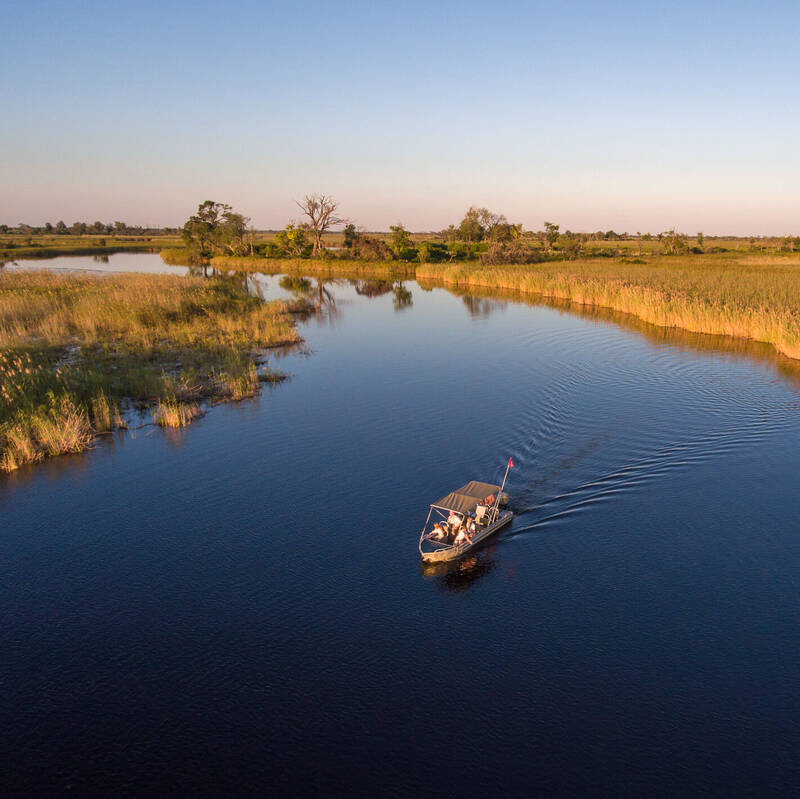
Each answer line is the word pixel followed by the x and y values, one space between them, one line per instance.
pixel 510 463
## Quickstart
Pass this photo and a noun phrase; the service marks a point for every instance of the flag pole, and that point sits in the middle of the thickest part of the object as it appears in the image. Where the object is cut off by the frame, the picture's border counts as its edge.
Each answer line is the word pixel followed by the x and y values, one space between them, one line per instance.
pixel 500 493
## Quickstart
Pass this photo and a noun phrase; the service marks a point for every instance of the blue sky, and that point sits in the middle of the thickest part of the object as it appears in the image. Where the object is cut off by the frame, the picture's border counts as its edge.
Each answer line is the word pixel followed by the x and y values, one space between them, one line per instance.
pixel 632 116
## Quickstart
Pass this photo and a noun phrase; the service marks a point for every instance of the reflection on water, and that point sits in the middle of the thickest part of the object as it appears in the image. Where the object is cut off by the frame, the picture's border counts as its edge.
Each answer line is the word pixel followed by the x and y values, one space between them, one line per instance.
pixel 460 575
pixel 372 288
pixel 481 307
pixel 483 302
pixel 403 299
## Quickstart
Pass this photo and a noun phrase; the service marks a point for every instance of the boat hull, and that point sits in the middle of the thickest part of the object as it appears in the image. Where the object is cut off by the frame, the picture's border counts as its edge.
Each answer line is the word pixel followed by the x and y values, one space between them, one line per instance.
pixel 452 553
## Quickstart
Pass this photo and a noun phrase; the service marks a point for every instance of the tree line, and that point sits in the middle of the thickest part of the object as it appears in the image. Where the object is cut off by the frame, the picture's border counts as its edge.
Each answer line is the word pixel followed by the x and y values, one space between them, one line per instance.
pixel 216 229
pixel 97 228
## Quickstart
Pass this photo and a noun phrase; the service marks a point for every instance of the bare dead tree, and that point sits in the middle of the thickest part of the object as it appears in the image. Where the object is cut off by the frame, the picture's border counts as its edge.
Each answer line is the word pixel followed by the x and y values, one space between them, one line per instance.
pixel 321 212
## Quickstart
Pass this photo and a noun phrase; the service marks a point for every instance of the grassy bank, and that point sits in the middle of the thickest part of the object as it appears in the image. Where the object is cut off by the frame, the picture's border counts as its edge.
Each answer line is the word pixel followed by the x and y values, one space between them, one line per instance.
pixel 750 296
pixel 75 350
pixel 52 246
pixel 383 270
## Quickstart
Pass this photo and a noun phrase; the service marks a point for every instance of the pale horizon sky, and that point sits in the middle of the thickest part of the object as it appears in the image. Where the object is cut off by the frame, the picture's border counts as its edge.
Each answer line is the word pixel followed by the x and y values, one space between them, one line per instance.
pixel 637 116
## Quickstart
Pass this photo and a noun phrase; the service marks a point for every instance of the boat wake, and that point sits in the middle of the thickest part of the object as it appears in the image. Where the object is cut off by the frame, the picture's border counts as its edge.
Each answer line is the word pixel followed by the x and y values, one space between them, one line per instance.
pixel 666 459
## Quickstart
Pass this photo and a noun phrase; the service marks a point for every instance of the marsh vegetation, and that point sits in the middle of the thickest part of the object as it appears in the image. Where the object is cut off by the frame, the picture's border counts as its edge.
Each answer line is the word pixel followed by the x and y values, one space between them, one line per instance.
pixel 77 351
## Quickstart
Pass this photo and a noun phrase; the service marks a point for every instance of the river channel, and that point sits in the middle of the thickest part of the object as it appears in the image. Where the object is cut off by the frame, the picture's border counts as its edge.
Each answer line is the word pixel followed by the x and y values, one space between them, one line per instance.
pixel 239 607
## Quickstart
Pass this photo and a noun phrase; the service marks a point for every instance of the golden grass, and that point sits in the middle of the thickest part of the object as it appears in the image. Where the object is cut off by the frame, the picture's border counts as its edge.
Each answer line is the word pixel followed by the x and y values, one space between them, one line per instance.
pixel 73 347
pixel 62 427
pixel 324 267
pixel 745 296
pixel 171 413
pixel 138 311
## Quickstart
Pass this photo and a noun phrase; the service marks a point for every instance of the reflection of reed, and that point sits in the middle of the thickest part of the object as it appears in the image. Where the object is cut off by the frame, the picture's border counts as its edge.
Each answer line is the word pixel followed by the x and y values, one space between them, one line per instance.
pixel 695 342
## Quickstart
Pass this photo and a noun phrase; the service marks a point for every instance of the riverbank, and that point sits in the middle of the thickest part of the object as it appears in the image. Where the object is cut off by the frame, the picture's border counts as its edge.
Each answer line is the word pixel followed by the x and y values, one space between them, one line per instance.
pixel 748 296
pixel 382 270
pixel 741 293
pixel 78 351
pixel 17 247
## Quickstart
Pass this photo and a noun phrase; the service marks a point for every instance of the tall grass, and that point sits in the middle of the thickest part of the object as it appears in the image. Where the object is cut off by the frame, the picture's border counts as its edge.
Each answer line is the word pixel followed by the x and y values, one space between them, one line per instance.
pixel 746 296
pixel 387 270
pixel 171 413
pixel 73 348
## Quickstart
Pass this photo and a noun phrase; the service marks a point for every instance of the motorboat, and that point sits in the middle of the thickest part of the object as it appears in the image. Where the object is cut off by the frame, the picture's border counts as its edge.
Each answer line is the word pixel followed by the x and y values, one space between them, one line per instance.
pixel 474 504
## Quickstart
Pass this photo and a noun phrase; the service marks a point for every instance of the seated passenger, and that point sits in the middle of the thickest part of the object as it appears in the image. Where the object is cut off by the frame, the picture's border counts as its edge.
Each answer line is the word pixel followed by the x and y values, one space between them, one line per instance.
pixel 471 526
pixel 454 520
pixel 480 512
pixel 438 532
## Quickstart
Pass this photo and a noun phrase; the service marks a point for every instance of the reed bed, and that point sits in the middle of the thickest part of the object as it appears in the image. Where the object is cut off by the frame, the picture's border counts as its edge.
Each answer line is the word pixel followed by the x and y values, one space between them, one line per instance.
pixel 75 348
pixel 324 267
pixel 748 297
pixel 171 413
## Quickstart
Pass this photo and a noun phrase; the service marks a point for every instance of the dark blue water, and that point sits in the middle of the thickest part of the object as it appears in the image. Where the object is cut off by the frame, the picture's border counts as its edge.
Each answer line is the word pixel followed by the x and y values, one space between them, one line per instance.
pixel 239 608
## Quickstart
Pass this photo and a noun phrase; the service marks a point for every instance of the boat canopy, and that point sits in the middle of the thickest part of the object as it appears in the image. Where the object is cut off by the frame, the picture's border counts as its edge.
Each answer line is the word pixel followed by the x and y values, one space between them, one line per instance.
pixel 466 498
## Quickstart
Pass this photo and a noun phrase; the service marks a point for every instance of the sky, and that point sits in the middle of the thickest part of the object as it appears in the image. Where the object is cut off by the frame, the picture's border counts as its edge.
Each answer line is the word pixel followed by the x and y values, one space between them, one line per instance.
pixel 632 116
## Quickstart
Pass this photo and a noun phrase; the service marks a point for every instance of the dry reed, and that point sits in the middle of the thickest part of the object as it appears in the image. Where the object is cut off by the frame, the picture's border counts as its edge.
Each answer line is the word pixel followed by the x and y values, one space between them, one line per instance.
pixel 72 347
pixel 749 297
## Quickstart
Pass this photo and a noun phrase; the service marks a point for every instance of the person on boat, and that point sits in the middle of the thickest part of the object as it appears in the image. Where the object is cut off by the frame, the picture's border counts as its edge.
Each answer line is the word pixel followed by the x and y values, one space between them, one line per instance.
pixel 454 520
pixel 470 526
pixel 462 537
pixel 438 532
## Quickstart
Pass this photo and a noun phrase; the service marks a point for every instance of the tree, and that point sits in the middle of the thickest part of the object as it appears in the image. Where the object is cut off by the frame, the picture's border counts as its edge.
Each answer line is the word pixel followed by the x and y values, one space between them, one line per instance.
pixel 551 233
pixel 230 235
pixel 61 227
pixel 471 230
pixel 293 240
pixel 321 212
pixel 97 227
pixel 674 243
pixel 350 235
pixel 48 227
pixel 215 228
pixel 120 227
pixel 400 243
pixel 78 228
pixel 701 240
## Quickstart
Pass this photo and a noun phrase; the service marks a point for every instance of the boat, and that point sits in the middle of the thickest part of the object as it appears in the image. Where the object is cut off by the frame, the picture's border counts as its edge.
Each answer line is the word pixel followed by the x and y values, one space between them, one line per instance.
pixel 479 500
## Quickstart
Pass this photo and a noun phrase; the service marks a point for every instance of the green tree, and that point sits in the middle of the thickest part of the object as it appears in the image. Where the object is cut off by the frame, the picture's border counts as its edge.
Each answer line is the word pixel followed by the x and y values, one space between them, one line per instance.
pixel 350 234
pixel 400 243
pixel 78 228
pixel 61 227
pixel 471 230
pixel 551 233
pixel 215 228
pixel 293 241
pixel 673 243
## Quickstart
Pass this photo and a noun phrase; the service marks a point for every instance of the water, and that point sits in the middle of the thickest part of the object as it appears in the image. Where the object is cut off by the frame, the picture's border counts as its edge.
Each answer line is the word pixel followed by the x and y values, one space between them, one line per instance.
pixel 240 607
